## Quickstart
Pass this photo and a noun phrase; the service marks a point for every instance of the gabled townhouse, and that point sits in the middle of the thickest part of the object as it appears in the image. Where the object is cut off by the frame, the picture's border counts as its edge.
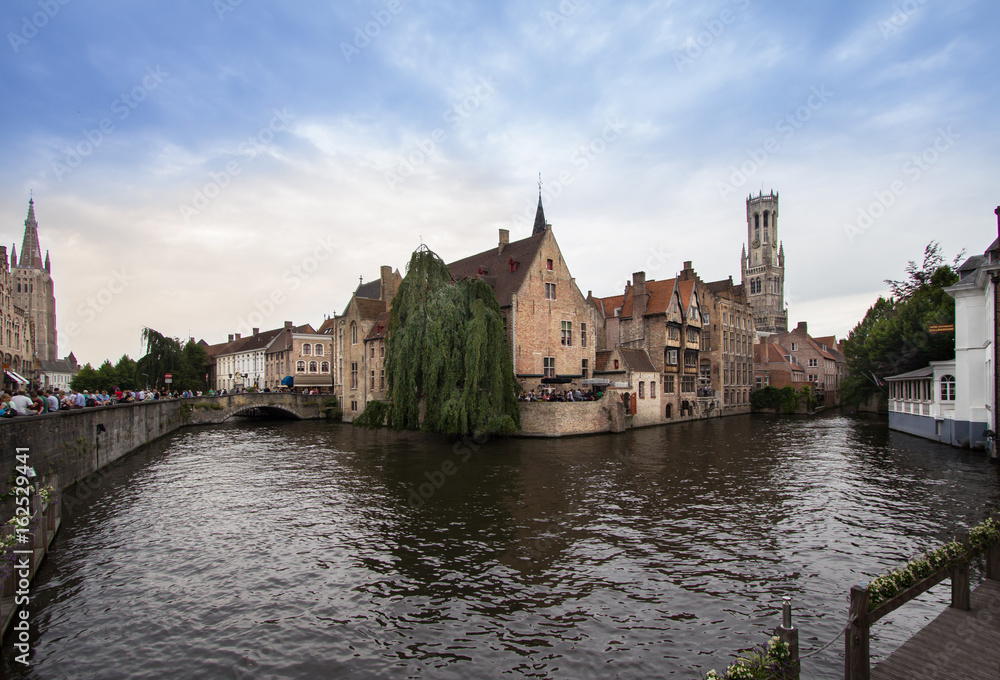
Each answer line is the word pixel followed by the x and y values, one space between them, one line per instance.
pixel 698 337
pixel 824 365
pixel 302 354
pixel 636 380
pixel 774 365
pixel 351 362
pixel 550 326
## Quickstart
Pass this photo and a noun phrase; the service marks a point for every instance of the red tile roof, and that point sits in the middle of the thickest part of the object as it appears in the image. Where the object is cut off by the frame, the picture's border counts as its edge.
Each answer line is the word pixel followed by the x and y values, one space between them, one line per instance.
pixel 504 270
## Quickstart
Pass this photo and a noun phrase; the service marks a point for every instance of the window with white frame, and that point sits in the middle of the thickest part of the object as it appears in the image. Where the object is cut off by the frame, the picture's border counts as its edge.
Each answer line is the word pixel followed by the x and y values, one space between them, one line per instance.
pixel 306 348
pixel 947 388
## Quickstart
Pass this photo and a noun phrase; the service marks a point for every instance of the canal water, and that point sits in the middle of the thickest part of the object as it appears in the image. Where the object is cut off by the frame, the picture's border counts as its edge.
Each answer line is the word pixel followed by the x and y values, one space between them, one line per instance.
pixel 309 550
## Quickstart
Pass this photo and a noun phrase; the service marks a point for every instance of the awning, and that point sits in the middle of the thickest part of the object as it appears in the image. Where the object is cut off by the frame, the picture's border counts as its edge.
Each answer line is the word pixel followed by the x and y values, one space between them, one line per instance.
pixel 595 381
pixel 556 381
pixel 17 377
pixel 288 381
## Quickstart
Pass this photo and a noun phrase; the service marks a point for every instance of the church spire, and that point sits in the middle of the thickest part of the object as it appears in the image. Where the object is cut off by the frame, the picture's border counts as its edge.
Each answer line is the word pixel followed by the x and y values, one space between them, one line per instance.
pixel 48 264
pixel 31 253
pixel 540 213
pixel 13 256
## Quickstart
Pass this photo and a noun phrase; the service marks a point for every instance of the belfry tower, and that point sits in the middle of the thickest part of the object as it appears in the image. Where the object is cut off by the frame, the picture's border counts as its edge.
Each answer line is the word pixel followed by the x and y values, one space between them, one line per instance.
pixel 763 267
pixel 32 288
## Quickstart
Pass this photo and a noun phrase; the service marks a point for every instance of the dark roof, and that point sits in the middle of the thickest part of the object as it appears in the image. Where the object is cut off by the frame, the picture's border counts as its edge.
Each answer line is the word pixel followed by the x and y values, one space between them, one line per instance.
pixel 328 326
pixel 494 266
pixel 58 366
pixel 637 360
pixel 371 290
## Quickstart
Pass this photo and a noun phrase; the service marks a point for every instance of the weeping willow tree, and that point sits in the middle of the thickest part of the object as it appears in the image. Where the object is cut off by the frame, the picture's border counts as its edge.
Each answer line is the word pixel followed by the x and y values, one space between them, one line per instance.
pixel 446 347
pixel 163 355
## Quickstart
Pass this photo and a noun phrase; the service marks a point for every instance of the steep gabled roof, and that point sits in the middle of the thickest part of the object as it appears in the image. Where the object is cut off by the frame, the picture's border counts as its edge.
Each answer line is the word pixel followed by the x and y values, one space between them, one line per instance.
pixel 494 266
pixel 607 306
pixel 328 326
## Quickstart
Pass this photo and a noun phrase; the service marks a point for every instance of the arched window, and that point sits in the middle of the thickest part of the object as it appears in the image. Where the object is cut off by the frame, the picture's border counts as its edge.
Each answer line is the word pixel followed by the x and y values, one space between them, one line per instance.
pixel 325 368
pixel 307 348
pixel 300 367
pixel 318 350
pixel 767 214
pixel 668 411
pixel 313 368
pixel 652 390
pixel 947 388
pixel 354 333
pixel 642 389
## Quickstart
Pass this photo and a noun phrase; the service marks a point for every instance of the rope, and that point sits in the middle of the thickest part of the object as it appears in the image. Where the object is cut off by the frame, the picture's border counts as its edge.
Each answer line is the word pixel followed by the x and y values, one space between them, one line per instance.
pixel 836 637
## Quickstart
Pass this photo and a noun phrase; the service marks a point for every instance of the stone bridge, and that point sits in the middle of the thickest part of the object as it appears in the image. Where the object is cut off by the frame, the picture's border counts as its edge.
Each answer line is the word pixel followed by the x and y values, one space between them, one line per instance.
pixel 75 444
pixel 209 410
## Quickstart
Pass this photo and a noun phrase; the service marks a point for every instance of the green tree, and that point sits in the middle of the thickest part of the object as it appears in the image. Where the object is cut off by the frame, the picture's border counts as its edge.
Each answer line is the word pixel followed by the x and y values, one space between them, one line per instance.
pixel 163 355
pixel 894 337
pixel 107 377
pixel 193 366
pixel 445 346
pixel 125 370
pixel 85 379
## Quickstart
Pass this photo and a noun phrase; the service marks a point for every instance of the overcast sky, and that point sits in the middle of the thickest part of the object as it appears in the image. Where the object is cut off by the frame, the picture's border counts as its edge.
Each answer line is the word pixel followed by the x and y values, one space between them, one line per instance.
pixel 194 161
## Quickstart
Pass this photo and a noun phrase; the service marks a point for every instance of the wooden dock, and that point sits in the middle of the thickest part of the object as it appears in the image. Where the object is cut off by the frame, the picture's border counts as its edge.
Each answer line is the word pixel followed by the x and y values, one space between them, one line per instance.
pixel 957 644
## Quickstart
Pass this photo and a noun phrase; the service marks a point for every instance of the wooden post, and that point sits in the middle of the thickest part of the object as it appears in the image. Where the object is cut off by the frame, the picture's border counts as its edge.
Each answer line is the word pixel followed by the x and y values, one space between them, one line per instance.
pixel 961 597
pixel 857 664
pixel 789 634
pixel 993 562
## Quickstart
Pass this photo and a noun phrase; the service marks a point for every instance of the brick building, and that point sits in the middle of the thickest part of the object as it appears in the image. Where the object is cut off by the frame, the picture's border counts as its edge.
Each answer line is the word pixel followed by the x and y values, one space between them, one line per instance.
pixel 635 380
pixel 550 326
pixel 810 361
pixel 663 318
pixel 302 354
pixel 353 367
pixel 728 340
pixel 763 266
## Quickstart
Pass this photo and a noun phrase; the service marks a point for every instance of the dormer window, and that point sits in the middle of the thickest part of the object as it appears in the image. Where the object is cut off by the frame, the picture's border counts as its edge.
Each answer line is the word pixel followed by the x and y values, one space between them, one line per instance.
pixel 513 265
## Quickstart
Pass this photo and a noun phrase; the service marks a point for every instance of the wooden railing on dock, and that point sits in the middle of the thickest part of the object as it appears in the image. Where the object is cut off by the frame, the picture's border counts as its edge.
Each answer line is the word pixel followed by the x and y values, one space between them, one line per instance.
pixel 857 651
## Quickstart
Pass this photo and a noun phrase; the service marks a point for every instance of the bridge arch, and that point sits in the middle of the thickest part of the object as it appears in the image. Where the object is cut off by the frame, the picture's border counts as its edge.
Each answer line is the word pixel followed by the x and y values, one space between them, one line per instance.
pixel 269 411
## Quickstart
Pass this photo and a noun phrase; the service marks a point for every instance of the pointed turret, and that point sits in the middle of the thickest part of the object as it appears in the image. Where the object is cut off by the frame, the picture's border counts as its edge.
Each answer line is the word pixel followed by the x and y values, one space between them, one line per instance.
pixel 539 217
pixel 48 264
pixel 31 253
pixel 13 256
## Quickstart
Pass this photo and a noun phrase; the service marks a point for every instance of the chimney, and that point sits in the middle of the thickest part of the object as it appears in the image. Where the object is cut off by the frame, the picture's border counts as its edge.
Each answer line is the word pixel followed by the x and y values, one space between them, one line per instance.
pixel 288 325
pixel 504 240
pixel 256 331
pixel 640 298
pixel 230 337
pixel 237 336
pixel 639 283
pixel 803 326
